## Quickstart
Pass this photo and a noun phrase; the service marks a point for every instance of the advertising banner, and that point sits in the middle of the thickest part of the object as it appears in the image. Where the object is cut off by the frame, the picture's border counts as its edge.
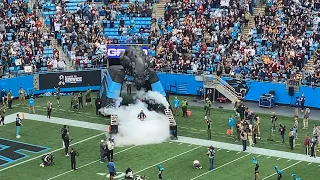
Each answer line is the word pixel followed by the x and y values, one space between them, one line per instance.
pixel 115 51
pixel 69 79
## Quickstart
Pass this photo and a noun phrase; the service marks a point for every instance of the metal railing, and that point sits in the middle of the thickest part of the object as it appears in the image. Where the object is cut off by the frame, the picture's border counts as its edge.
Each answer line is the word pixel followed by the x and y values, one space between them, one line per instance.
pixel 227 87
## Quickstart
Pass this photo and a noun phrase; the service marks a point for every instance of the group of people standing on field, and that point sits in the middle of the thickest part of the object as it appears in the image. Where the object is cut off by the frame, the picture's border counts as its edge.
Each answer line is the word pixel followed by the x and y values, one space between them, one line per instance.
pixel 248 126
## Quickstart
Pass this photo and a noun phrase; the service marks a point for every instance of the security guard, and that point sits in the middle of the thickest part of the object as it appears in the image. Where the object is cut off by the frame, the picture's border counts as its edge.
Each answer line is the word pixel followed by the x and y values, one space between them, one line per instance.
pixel 207 107
pixel 184 105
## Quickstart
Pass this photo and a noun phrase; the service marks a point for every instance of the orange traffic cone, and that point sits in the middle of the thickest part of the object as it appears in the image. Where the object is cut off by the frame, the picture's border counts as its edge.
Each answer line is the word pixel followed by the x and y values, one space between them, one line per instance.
pixel 109 129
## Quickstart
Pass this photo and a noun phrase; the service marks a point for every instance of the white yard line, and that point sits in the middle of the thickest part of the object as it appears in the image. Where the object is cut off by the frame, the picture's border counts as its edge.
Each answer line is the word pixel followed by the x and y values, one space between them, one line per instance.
pixel 173 157
pixel 37 157
pixel 89 164
pixel 282 170
pixel 221 166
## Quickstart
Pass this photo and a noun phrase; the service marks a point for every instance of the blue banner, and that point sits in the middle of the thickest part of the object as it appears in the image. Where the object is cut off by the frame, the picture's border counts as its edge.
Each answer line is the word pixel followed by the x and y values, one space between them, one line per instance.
pixel 115 51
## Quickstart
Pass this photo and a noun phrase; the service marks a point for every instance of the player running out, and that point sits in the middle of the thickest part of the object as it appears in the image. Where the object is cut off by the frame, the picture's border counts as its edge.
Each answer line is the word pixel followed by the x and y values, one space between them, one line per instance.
pixel 142 116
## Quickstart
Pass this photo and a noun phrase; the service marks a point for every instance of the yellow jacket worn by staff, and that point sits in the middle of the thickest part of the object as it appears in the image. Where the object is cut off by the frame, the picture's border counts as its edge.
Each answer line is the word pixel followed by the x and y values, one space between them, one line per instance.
pixel 184 103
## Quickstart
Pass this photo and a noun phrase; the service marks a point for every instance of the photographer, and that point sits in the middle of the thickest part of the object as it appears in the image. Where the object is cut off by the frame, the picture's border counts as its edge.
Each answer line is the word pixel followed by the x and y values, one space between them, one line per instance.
pixel 273 121
pixel 282 131
pixel 47 160
pixel 211 153
pixel 244 137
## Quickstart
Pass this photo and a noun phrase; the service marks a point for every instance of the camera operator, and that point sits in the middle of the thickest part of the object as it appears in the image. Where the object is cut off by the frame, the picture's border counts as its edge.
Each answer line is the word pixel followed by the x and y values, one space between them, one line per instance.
pixel 47 160
pixel 273 121
pixel 282 131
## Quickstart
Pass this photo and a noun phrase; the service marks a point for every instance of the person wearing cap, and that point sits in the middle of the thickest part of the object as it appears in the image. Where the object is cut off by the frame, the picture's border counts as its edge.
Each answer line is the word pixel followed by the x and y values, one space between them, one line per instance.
pixel 176 105
pixel 207 107
pixel 211 153
pixel 306 118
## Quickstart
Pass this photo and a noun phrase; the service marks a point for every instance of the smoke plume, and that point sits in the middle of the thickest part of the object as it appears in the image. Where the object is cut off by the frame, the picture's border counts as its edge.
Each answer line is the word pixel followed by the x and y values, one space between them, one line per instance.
pixel 152 96
pixel 132 131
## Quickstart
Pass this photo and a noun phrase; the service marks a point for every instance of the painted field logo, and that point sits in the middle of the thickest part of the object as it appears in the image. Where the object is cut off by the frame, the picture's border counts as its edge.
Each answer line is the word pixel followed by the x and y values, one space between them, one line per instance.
pixel 11 151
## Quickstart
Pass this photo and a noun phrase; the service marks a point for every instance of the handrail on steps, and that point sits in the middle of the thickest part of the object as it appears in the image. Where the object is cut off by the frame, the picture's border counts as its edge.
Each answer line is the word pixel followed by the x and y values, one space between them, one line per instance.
pixel 230 88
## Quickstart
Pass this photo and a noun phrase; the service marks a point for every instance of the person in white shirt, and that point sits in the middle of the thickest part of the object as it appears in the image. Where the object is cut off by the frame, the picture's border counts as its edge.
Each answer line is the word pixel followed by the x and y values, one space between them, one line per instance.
pixel 61 65
pixel 54 64
pixel 110 146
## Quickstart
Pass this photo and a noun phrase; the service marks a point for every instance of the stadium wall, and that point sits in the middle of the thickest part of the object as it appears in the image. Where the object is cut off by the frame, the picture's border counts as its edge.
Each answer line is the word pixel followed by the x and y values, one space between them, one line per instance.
pixel 188 84
pixel 175 83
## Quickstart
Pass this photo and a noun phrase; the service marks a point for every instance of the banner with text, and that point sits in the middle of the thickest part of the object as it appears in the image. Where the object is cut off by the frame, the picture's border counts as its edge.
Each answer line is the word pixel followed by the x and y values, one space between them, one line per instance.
pixel 70 79
pixel 115 51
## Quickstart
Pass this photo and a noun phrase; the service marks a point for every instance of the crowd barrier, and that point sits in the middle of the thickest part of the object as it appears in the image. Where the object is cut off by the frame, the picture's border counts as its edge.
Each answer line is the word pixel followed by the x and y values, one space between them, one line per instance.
pixel 68 81
pixel 175 83
pixel 189 84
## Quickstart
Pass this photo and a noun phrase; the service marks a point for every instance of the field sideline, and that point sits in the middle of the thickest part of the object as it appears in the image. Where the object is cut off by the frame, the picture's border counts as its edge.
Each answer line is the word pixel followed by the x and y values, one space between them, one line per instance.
pixel 176 156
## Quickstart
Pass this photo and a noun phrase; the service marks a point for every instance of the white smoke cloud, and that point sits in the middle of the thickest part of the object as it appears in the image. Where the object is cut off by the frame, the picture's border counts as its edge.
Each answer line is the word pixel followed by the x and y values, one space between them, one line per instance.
pixel 152 96
pixel 132 131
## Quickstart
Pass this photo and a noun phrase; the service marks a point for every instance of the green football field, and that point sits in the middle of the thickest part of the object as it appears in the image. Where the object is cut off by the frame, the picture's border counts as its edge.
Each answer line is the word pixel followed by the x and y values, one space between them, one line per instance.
pixel 175 157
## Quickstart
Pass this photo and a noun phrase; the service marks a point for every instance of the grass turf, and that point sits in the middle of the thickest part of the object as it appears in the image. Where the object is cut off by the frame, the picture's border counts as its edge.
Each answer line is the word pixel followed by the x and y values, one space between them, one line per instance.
pixel 195 126
pixel 143 159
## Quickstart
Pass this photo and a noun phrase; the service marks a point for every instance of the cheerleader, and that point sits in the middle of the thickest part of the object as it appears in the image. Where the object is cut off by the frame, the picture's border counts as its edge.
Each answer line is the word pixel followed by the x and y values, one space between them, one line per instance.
pixel 256 169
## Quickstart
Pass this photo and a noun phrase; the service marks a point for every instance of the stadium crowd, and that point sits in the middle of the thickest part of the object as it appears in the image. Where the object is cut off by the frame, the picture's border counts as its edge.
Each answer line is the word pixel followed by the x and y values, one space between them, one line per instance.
pixel 276 48
pixel 193 36
pixel 22 40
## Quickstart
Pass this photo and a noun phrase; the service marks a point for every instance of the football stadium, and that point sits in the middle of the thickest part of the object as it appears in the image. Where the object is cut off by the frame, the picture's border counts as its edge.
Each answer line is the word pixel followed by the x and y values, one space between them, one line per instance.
pixel 159 89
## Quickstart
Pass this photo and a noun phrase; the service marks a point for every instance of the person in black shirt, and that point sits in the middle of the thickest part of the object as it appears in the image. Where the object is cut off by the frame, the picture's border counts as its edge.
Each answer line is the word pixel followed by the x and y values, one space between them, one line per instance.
pixel 241 111
pixel 282 132
pixel 142 116
pixel 256 172
pixel 66 141
pixel 73 154
pixel 209 123
pixel 64 132
pixel 313 146
pixel 80 99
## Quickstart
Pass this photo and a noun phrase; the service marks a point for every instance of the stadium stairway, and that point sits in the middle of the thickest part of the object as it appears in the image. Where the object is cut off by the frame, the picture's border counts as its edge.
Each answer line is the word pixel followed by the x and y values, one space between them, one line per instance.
pixel 222 87
pixel 310 64
pixel 259 9
pixel 160 9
